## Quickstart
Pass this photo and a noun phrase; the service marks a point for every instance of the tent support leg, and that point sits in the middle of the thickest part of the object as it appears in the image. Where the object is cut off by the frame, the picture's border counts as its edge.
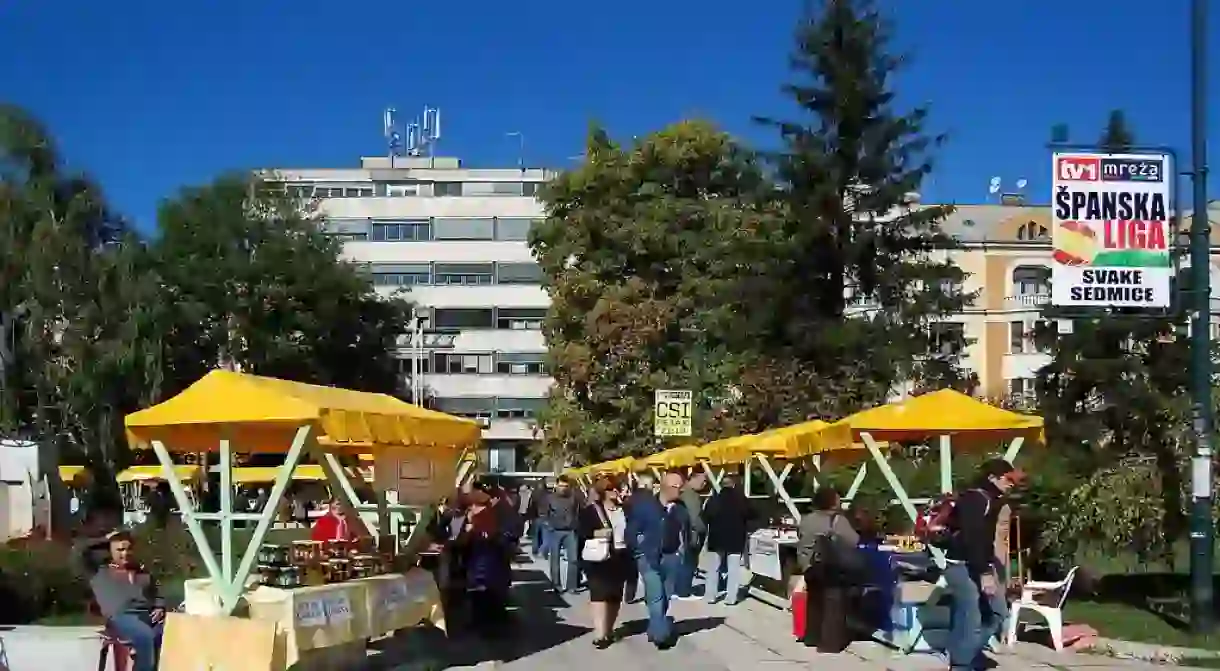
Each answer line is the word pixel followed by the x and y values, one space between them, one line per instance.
pixel 340 484
pixel 232 591
pixel 890 477
pixel 712 476
pixel 188 513
pixel 226 509
pixel 946 464
pixel 779 486
pixel 465 469
pixel 857 483
pixel 1014 449
pixel 816 462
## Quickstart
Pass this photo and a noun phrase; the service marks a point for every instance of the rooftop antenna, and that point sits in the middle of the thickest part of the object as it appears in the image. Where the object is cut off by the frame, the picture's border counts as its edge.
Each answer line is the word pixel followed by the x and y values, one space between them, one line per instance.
pixel 429 131
pixel 413 143
pixel 993 187
pixel 520 148
pixel 1021 184
pixel 393 137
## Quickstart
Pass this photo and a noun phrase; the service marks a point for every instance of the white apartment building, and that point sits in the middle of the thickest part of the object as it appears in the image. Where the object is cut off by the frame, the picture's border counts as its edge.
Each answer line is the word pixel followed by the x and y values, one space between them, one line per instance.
pixel 455 240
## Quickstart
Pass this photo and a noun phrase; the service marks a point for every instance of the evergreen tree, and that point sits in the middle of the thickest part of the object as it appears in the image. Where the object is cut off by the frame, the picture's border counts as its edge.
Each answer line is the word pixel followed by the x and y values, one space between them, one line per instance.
pixel 853 231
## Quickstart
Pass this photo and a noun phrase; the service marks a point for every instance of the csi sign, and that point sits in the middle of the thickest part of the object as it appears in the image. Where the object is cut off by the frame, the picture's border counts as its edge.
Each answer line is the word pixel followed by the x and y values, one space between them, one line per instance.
pixel 671 412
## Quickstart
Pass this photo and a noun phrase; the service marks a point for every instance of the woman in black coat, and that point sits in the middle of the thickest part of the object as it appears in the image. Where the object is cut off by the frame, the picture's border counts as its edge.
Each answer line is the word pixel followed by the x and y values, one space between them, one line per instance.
pixel 728 517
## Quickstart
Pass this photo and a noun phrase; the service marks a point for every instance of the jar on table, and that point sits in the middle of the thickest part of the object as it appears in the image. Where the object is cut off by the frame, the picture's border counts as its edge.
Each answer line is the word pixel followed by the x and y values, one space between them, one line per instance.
pixel 290 577
pixel 304 552
pixel 340 570
pixel 269 575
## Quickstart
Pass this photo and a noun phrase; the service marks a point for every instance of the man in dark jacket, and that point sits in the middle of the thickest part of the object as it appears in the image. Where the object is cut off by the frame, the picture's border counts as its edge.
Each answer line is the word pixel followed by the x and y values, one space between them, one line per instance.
pixel 560 514
pixel 540 537
pixel 692 498
pixel 970 572
pixel 658 535
pixel 727 515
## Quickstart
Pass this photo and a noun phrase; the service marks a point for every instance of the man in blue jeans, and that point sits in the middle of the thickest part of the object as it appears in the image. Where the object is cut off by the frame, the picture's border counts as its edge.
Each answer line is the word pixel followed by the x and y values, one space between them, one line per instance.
pixel 971 574
pixel 125 594
pixel 560 512
pixel 658 533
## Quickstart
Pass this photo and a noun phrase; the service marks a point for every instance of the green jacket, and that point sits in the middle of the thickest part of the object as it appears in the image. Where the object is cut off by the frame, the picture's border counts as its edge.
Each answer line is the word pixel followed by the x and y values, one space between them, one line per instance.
pixel 694 506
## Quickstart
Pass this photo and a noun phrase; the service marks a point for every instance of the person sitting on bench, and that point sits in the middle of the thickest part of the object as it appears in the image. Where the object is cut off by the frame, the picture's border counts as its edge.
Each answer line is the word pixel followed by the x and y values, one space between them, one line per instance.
pixel 125 594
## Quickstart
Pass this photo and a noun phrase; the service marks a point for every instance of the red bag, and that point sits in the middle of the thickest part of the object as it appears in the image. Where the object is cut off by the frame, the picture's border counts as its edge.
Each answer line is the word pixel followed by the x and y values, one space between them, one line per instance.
pixel 798 604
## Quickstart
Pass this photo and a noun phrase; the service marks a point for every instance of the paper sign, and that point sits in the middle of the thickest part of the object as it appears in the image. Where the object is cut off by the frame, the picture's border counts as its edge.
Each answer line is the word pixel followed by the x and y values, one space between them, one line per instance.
pixel 393 595
pixel 338 608
pixel 310 613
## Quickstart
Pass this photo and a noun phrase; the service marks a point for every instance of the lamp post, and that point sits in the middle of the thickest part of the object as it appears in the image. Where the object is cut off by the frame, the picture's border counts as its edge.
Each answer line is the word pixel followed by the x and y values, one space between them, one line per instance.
pixel 1202 526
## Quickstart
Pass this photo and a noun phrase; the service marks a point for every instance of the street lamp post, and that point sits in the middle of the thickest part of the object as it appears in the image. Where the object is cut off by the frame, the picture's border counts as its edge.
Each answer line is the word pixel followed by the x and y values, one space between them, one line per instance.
pixel 1202 526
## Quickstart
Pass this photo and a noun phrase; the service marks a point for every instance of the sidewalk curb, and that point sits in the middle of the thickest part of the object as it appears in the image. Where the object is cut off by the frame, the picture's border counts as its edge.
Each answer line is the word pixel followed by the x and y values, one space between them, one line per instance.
pixel 1148 652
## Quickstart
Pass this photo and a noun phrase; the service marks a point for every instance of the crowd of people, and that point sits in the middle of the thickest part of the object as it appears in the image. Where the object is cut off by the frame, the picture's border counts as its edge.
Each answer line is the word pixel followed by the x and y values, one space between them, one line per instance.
pixel 650 533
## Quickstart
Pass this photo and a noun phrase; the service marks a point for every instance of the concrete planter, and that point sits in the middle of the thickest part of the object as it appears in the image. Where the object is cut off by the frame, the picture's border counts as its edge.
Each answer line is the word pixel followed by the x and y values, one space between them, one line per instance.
pixel 35 648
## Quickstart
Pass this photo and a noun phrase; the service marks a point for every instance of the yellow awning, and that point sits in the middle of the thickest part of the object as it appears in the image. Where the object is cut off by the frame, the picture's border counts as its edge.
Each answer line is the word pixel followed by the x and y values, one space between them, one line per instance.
pixel 262 414
pixel 675 457
pixel 72 474
pixel 303 473
pixel 620 465
pixel 185 472
pixel 944 412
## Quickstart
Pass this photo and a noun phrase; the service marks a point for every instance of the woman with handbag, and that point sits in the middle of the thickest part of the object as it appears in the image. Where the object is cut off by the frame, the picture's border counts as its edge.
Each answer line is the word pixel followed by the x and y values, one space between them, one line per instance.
pixel 602 528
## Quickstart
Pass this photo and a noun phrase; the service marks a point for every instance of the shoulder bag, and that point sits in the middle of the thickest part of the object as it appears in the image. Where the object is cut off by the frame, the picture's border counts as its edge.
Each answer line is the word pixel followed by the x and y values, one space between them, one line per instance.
pixel 597 548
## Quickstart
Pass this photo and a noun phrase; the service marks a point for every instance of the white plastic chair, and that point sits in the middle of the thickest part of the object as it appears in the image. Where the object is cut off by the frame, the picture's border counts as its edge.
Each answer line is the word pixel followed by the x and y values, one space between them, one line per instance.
pixel 1046 599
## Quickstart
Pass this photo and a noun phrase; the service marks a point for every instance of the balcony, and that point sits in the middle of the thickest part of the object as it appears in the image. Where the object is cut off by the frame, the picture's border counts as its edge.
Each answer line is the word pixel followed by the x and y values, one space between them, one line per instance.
pixel 1027 300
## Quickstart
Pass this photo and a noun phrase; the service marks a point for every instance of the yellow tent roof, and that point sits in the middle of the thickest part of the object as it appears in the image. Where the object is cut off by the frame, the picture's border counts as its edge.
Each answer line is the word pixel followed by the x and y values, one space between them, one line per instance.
pixel 303 472
pixel 135 473
pixel 675 457
pixel 71 474
pixel 262 414
pixel 940 413
pixel 789 442
pixel 620 465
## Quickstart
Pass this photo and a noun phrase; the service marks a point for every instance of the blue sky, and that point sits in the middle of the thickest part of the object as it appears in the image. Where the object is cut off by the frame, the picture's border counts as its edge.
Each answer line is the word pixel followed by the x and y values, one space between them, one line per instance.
pixel 150 96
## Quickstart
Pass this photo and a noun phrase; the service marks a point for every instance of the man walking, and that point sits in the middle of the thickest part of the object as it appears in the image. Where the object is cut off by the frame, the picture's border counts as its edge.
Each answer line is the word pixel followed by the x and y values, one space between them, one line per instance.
pixel 561 508
pixel 693 502
pixel 658 533
pixel 540 538
pixel 970 572
pixel 727 515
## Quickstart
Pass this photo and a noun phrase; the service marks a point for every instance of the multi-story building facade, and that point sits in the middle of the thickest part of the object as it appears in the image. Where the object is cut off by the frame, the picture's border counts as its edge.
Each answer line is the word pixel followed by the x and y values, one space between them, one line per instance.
pixel 1005 251
pixel 454 239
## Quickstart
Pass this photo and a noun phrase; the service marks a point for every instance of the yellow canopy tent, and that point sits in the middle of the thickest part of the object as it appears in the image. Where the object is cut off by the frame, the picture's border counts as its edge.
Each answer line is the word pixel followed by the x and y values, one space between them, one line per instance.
pixel 948 415
pixel 264 414
pixel 73 476
pixel 183 473
pixel 303 473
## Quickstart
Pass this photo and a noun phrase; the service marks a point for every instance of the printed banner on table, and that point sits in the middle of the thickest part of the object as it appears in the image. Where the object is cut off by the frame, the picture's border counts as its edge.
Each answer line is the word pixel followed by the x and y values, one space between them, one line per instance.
pixel 1111 230
pixel 310 612
pixel 671 412
pixel 338 608
pixel 392 595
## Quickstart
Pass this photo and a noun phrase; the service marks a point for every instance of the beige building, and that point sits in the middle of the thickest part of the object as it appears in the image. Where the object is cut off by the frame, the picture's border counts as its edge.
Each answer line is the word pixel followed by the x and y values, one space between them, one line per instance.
pixel 1006 253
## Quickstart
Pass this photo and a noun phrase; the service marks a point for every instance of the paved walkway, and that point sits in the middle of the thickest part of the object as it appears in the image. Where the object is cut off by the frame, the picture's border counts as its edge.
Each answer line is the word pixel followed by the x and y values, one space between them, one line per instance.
pixel 552 634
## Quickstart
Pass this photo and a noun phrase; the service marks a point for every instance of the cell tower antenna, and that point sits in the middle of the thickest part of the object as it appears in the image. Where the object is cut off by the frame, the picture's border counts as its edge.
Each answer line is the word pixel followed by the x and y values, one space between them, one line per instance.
pixel 393 136
pixel 429 130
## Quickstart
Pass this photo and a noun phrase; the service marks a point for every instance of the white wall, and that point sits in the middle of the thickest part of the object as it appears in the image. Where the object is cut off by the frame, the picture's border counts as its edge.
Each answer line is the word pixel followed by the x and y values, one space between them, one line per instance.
pixel 398 207
pixel 444 251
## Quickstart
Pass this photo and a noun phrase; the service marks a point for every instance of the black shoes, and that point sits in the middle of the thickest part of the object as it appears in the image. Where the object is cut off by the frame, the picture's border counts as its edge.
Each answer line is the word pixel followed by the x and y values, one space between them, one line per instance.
pixel 602 643
pixel 667 644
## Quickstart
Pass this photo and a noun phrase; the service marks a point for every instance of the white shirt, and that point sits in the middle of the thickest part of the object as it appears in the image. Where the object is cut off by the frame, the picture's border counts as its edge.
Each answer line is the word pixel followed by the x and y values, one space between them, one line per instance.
pixel 618 523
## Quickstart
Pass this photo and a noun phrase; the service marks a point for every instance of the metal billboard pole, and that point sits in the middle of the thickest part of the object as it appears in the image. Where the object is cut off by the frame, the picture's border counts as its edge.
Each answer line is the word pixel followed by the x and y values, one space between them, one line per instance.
pixel 1202 526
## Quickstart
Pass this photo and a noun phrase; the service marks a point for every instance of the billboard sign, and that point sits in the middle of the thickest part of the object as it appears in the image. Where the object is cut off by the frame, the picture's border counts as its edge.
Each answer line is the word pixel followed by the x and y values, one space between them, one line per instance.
pixel 671 412
pixel 1110 229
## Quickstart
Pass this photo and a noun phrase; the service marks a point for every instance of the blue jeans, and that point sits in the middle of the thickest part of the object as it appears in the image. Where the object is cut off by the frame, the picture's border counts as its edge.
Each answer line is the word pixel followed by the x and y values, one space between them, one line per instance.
pixel 975 617
pixel 563 541
pixel 539 538
pixel 145 638
pixel 728 563
pixel 659 583
pixel 688 567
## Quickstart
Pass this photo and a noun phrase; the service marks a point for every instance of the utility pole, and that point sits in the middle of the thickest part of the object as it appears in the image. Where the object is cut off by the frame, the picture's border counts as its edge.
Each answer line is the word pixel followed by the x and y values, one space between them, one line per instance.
pixel 1202 525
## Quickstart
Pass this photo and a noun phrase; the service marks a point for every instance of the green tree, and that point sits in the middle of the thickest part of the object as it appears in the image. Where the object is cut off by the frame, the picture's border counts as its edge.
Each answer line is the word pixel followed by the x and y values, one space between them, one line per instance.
pixel 1117 390
pixel 646 248
pixel 853 231
pixel 253 283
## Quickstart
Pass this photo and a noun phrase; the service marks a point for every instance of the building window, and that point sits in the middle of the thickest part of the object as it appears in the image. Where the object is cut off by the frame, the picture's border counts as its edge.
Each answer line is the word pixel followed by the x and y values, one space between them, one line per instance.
pixel 474 407
pixel 1022 388
pixel 520 319
pixel 347 230
pixel 462 318
pixel 513 228
pixel 300 190
pixel 465 274
pixel 358 192
pixel 520 363
pixel 492 189
pixel 401 189
pixel 405 365
pixel 1017 339
pixel 447 188
pixel 519 408
pixel 947 338
pixel 400 274
pixel 464 229
pixel 408 230
pixel 1032 231
pixel 518 273
pixel 461 364
pixel 1031 281
pixel 529 189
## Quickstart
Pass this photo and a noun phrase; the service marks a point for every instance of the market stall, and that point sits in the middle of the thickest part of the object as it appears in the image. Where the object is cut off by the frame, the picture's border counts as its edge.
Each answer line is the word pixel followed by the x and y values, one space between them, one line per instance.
pixel 135 482
pixel 418 455
pixel 908 596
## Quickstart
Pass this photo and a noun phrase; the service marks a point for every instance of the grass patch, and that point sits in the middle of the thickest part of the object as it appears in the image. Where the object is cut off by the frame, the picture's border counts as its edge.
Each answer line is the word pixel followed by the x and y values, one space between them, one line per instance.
pixel 1129 623
pixel 69 620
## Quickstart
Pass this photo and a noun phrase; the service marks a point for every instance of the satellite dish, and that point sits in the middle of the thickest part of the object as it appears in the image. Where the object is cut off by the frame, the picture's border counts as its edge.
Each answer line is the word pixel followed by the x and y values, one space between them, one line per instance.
pixel 1021 183
pixel 995 181
pixel 994 185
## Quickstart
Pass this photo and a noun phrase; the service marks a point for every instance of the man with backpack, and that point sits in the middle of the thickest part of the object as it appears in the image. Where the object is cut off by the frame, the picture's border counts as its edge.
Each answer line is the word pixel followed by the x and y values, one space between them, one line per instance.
pixel 980 605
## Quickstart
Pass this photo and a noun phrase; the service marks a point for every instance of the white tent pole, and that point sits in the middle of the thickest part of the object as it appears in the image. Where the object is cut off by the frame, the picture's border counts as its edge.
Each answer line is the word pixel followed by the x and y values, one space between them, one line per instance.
pixel 188 513
pixel 1014 449
pixel 946 464
pixel 226 509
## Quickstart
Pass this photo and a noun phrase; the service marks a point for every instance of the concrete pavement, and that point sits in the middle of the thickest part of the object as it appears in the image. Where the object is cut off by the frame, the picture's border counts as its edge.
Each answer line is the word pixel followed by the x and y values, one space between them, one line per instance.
pixel 551 633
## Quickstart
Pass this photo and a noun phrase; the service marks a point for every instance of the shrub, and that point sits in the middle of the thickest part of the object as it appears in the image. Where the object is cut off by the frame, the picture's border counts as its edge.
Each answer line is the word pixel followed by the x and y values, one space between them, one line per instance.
pixel 39 578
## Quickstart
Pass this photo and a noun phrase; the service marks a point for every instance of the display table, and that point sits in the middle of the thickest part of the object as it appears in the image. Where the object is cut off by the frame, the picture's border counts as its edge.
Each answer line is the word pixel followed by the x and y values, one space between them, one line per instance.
pixel 904 610
pixel 771 560
pixel 327 626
